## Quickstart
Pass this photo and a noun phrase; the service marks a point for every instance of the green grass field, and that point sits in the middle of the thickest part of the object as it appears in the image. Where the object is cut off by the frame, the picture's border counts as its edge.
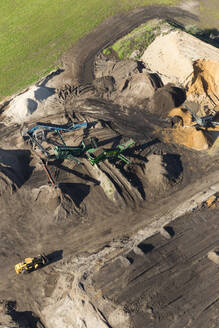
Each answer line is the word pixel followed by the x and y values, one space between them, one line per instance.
pixel 34 33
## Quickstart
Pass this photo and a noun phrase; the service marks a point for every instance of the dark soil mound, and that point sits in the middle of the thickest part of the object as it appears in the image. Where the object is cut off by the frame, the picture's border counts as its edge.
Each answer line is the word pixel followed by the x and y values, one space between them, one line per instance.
pixel 166 98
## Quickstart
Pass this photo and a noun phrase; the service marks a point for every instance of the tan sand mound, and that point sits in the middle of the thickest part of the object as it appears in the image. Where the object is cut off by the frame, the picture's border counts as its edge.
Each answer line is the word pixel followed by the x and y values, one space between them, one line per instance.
pixel 172 56
pixel 204 87
pixel 185 133
pixel 182 113
pixel 189 137
pixel 214 256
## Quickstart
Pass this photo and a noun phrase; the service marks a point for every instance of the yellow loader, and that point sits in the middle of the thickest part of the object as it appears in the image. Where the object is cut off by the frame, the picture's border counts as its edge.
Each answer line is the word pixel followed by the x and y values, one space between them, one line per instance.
pixel 31 263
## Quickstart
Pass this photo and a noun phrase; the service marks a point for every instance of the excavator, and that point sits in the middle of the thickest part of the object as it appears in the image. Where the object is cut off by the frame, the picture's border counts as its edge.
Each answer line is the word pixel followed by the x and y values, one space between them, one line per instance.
pixel 31 264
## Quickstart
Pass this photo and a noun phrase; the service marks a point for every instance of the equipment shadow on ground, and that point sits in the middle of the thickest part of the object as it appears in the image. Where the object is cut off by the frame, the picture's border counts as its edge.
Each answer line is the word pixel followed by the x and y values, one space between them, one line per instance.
pixel 55 256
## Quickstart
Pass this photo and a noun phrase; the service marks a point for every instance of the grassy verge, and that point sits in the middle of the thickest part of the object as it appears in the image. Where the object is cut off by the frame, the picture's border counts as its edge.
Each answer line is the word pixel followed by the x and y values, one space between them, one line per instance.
pixel 34 33
pixel 137 41
pixel 209 14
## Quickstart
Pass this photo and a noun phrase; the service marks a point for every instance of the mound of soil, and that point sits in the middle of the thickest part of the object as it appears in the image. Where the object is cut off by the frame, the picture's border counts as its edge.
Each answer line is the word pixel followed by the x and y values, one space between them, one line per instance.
pixel 47 196
pixel 187 119
pixel 11 318
pixel 172 56
pixel 104 84
pixel 189 137
pixel 214 256
pixel 165 99
pixel 28 103
pixel 118 69
pixel 204 87
pixel 156 172
pixel 136 89
pixel 162 171
pixel 58 202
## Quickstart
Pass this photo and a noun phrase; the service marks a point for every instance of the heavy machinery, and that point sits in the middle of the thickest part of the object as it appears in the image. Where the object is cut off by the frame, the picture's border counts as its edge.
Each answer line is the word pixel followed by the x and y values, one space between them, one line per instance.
pixel 93 153
pixel 98 155
pixel 37 134
pixel 182 119
pixel 53 128
pixel 204 121
pixel 71 152
pixel 31 263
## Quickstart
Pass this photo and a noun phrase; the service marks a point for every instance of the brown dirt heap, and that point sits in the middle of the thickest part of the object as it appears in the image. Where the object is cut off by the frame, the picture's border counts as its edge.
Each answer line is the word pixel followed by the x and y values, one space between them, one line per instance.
pixel 185 133
pixel 189 137
pixel 184 114
pixel 204 87
pixel 136 89
pixel 156 173
pixel 165 99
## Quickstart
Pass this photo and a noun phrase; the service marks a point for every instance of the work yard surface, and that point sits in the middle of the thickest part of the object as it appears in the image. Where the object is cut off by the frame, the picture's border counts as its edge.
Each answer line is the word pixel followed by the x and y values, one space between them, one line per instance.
pixel 131 240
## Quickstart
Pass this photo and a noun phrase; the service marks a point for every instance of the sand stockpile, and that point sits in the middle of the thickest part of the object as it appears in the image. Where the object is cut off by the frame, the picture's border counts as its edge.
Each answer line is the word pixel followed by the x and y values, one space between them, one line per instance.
pixel 27 105
pixel 33 104
pixel 204 87
pixel 185 133
pixel 172 56
pixel 189 137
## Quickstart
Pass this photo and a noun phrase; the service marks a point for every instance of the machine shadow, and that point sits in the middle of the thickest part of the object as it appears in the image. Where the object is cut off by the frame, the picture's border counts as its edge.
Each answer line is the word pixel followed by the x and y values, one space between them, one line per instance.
pixel 54 256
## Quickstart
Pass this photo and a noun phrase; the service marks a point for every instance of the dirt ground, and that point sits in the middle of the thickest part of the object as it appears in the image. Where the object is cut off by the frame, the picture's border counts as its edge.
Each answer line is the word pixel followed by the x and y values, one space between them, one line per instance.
pixel 101 208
